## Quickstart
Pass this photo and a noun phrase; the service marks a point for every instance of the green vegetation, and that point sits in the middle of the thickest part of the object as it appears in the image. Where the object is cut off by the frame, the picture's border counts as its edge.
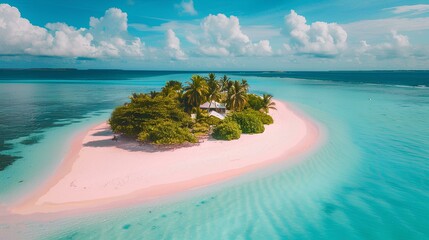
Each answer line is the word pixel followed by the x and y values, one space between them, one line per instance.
pixel 145 112
pixel 237 95
pixel 200 129
pixel 262 104
pixel 165 133
pixel 228 130
pixel 248 122
pixel 210 120
pixel 265 118
pixel 164 117
pixel 254 102
pixel 196 92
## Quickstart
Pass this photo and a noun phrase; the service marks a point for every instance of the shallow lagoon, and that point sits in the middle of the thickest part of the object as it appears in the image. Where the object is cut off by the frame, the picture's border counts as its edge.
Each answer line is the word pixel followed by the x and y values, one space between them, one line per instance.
pixel 370 180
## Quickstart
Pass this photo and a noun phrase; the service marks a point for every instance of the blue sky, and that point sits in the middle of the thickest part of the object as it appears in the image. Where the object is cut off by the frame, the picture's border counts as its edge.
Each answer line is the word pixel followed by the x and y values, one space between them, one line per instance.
pixel 215 35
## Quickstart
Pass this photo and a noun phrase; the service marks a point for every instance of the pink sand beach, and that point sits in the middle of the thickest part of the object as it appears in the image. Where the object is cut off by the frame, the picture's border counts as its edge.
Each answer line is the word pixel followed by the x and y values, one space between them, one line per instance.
pixel 101 173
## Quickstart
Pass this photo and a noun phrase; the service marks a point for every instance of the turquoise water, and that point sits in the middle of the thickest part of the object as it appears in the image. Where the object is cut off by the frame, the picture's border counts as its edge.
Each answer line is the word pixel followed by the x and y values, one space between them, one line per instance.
pixel 370 179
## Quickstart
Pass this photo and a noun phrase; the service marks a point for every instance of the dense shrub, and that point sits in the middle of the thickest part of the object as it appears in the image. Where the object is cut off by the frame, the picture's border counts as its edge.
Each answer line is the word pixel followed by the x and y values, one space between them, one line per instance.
pixel 210 120
pixel 167 132
pixel 254 102
pixel 228 130
pixel 248 122
pixel 200 129
pixel 265 118
pixel 145 117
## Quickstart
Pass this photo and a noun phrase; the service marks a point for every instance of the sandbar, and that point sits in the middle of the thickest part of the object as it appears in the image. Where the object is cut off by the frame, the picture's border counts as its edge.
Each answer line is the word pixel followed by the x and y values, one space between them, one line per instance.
pixel 101 173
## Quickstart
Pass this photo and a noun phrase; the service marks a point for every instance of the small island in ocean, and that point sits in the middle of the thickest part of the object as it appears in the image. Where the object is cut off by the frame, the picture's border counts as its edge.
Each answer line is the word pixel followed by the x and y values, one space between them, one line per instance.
pixel 185 114
pixel 208 120
pixel 172 141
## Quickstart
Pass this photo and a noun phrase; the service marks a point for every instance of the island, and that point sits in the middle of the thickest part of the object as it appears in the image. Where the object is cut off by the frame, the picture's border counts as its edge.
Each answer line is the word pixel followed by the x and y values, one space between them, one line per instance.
pixel 222 109
pixel 172 143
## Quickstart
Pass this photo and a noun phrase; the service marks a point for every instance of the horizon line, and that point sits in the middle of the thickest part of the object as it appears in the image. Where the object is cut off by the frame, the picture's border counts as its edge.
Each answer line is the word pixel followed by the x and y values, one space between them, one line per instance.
pixel 154 70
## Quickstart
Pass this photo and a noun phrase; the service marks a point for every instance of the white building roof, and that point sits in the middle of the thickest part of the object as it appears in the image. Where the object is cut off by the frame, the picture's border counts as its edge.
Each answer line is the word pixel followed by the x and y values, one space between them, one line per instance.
pixel 214 104
pixel 218 115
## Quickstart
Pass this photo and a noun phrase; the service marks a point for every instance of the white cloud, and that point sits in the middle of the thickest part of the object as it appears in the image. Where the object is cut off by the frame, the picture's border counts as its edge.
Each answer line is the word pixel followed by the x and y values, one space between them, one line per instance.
pixel 18 35
pixel 319 39
pixel 173 46
pixel 192 38
pixel 262 31
pixel 187 7
pixel 222 36
pixel 412 9
pixel 400 40
pixel 110 33
pixel 106 37
pixel 113 23
pixel 176 25
pixel 383 26
pixel 398 45
pixel 65 41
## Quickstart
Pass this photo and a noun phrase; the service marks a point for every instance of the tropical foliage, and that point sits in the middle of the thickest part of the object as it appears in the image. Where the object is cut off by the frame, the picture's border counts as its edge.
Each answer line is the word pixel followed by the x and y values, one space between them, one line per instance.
pixel 254 102
pixel 213 89
pixel 164 117
pixel 258 103
pixel 166 132
pixel 196 91
pixel 228 130
pixel 248 122
pixel 144 112
pixel 267 103
pixel 266 119
pixel 237 96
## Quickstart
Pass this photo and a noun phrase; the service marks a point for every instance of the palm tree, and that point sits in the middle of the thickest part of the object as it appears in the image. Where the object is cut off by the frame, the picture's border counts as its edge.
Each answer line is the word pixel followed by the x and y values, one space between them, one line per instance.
pixel 268 103
pixel 153 94
pixel 172 89
pixel 213 89
pixel 134 97
pixel 175 85
pixel 224 83
pixel 237 96
pixel 169 92
pixel 196 91
pixel 245 84
pixel 211 76
pixel 229 86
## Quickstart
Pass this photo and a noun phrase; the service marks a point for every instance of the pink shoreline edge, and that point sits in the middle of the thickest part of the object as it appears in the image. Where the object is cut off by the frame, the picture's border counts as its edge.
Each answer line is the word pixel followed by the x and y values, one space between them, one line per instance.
pixel 291 135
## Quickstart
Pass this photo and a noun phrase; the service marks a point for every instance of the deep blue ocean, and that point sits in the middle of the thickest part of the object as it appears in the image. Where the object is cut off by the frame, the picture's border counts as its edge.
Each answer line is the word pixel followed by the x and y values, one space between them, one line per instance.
pixel 369 180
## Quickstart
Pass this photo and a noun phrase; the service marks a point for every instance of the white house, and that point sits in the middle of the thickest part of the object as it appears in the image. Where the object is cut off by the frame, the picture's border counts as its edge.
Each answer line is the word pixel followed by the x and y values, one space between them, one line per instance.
pixel 215 109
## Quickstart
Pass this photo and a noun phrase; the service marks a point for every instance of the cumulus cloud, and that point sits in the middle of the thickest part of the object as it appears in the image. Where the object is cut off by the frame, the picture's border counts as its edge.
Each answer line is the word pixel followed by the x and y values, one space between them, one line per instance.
pixel 319 39
pixel 173 46
pixel 412 9
pixel 111 35
pixel 222 36
pixel 65 40
pixel 397 46
pixel 187 7
pixel 18 35
pixel 106 37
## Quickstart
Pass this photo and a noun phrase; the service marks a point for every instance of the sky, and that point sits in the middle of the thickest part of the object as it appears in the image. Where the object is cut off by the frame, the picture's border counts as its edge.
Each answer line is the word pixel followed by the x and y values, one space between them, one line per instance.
pixel 259 35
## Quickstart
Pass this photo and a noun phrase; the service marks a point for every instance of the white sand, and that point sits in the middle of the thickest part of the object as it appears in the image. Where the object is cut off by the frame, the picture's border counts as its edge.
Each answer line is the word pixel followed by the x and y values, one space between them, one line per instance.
pixel 99 171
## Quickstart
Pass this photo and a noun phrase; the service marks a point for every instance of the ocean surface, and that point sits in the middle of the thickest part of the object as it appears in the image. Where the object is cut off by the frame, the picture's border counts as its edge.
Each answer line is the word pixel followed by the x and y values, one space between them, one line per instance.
pixel 369 180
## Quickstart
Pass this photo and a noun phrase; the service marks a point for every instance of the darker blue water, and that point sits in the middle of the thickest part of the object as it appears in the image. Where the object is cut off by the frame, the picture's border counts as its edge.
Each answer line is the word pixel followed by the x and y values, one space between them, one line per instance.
pixel 407 78
pixel 31 106
pixel 74 74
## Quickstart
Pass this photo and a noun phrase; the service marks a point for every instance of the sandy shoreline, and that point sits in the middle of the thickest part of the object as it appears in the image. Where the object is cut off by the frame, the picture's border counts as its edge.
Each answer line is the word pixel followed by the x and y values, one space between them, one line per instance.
pixel 99 172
